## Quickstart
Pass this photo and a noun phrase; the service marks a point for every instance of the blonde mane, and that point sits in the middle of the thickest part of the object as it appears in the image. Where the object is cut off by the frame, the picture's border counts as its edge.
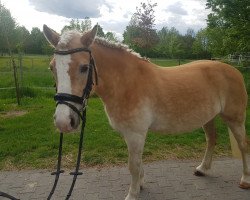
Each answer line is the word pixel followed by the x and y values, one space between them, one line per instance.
pixel 116 45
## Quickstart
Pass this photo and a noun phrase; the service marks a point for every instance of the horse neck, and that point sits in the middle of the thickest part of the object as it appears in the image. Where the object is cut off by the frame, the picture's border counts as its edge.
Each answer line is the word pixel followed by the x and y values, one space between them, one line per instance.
pixel 117 70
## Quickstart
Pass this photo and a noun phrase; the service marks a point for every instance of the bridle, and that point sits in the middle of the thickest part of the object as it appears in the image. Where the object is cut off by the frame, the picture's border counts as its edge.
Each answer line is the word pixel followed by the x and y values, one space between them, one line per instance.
pixel 64 98
pixel 68 99
pixel 59 97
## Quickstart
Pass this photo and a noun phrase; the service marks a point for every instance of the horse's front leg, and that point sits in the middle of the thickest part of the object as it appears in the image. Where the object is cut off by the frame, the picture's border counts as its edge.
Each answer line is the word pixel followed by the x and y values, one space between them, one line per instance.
pixel 135 143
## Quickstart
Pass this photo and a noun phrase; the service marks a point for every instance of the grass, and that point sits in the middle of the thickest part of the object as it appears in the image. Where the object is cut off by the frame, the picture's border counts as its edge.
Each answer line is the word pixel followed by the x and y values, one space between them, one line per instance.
pixel 30 141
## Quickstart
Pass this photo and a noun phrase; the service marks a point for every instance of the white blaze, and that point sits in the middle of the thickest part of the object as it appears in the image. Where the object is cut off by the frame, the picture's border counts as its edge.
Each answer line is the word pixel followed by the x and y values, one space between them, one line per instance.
pixel 62 114
pixel 62 69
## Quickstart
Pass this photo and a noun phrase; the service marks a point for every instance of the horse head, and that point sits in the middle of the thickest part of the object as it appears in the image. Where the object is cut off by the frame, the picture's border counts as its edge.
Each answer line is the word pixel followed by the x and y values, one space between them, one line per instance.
pixel 72 67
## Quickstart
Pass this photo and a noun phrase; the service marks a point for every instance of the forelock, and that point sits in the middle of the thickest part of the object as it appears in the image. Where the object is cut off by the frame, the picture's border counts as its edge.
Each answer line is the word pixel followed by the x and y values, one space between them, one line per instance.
pixel 67 36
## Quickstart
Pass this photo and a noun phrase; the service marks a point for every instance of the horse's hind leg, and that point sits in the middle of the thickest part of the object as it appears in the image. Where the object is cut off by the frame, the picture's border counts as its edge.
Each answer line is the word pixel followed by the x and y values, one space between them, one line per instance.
pixel 239 132
pixel 135 143
pixel 210 132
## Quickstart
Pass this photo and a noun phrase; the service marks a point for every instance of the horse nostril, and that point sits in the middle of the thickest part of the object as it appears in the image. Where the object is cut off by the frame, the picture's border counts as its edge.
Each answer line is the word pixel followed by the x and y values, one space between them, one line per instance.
pixel 72 122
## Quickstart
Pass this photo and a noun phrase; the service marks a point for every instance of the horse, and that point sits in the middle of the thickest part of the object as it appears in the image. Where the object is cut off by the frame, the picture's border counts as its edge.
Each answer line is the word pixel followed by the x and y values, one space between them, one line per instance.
pixel 139 96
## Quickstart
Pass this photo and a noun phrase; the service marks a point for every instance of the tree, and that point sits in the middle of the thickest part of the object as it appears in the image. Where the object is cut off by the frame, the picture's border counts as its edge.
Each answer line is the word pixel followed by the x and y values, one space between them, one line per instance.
pixel 22 36
pixel 217 42
pixel 132 31
pixel 187 43
pixel 111 36
pixel 82 26
pixel 74 24
pixel 231 19
pixel 37 41
pixel 200 45
pixel 86 24
pixel 174 45
pixel 146 20
pixel 170 43
pixel 140 32
pixel 7 30
pixel 162 47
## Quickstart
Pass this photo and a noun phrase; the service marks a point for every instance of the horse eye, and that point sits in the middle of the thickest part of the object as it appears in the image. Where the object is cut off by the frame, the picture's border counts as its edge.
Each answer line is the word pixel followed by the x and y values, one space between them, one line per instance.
pixel 83 68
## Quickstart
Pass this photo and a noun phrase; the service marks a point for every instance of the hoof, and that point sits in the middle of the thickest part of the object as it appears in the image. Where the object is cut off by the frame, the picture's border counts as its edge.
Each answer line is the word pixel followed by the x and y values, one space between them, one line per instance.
pixel 198 173
pixel 244 185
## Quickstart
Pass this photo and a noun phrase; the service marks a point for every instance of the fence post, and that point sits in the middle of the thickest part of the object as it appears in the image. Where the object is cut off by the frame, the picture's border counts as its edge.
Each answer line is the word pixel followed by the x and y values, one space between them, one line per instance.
pixel 234 145
pixel 32 63
pixel 20 58
pixel 9 64
pixel 16 80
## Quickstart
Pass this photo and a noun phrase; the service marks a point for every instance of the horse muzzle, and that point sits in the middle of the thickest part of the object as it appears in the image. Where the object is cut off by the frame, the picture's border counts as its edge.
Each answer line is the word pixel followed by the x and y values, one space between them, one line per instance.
pixel 66 120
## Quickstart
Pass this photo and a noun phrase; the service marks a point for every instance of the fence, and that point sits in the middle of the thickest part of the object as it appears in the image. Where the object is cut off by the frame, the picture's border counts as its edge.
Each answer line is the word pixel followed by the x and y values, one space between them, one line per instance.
pixel 32 72
pixel 239 58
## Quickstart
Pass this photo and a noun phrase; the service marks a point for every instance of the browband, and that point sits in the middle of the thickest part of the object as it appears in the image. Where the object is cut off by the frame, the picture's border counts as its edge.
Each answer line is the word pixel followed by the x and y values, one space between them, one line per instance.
pixel 59 52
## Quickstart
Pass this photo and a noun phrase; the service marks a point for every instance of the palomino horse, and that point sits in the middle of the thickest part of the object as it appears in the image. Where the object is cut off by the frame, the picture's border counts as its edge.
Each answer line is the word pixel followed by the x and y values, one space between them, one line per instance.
pixel 139 95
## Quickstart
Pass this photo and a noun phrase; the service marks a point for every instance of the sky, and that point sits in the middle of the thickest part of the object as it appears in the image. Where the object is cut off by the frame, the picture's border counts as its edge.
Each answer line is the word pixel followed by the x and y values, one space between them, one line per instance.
pixel 112 15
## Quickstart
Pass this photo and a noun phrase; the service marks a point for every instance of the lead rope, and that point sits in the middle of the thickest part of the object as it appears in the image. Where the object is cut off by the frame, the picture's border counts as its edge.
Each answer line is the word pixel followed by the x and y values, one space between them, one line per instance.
pixel 76 172
pixel 3 194
pixel 58 171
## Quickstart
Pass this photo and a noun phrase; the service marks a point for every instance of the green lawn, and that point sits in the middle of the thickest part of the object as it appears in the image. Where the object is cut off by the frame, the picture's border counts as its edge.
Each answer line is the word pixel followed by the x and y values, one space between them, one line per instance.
pixel 31 140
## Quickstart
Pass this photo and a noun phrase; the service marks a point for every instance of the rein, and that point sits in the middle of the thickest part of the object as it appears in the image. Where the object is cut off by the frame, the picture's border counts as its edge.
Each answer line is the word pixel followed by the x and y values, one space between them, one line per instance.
pixel 68 99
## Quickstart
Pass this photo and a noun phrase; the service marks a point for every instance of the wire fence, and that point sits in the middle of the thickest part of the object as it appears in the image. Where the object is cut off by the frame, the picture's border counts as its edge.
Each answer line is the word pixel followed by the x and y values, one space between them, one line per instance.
pixel 33 76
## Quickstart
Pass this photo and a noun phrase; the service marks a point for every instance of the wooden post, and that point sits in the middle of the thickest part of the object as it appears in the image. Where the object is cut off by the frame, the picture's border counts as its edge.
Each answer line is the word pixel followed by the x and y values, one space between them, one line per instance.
pixel 8 64
pixel 16 81
pixel 21 68
pixel 32 63
pixel 234 146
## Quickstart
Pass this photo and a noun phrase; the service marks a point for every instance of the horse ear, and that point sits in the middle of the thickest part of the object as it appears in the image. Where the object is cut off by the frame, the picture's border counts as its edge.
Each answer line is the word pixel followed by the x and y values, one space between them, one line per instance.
pixel 52 36
pixel 89 37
